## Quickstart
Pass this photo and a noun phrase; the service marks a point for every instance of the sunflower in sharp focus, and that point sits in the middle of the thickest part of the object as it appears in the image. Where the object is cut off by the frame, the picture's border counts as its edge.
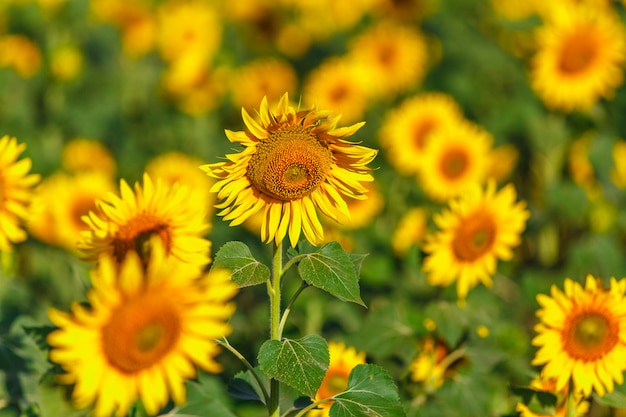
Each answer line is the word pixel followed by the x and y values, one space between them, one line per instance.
pixel 455 157
pixel 477 229
pixel 406 129
pixel 582 335
pixel 395 57
pixel 15 192
pixel 581 51
pixel 342 360
pixel 144 333
pixel 294 162
pixel 128 222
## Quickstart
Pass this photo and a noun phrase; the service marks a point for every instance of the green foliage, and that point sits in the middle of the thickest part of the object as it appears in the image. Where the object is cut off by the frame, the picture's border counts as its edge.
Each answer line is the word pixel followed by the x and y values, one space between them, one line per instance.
pixel 370 392
pixel 333 270
pixel 246 270
pixel 300 363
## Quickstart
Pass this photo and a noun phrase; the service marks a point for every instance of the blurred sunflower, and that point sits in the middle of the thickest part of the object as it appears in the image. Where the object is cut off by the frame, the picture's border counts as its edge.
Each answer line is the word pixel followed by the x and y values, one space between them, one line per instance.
pixel 15 191
pixel 434 363
pixel 268 77
pixel 581 406
pixel 395 57
pixel 405 129
pixel 454 157
pixel 409 231
pixel 581 51
pixel 293 162
pixel 618 173
pixel 176 167
pixel 478 228
pixel 87 155
pixel 143 334
pixel 581 335
pixel 338 84
pixel 342 360
pixel 21 54
pixel 61 201
pixel 128 222
pixel 66 62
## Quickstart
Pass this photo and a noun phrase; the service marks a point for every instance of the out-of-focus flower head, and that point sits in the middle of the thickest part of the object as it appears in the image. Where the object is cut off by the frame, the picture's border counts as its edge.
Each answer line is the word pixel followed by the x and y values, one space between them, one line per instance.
pixel 21 54
pixel 409 231
pixel 340 84
pixel 87 155
pixel 266 77
pixel 580 54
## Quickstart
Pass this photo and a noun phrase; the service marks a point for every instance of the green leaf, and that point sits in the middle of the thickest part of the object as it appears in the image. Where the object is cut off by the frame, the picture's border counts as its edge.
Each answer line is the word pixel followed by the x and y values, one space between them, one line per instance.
pixel 301 363
pixel 246 270
pixel 242 390
pixel 333 270
pixel 614 399
pixel 370 392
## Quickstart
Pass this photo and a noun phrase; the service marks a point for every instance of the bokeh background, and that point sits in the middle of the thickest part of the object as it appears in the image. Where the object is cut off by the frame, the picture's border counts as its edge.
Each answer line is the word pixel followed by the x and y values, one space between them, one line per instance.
pixel 113 85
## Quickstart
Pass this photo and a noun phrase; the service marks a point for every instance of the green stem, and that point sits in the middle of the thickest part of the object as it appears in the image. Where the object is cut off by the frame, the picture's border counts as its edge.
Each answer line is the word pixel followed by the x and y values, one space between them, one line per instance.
pixel 275 328
pixel 247 365
pixel 283 320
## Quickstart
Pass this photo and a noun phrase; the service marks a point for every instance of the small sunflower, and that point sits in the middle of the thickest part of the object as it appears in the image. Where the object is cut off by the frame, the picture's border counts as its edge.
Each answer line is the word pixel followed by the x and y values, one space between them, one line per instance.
pixel 262 78
pixel 434 363
pixel 126 223
pixel 409 231
pixel 581 51
pixel 176 167
pixel 618 173
pixel 582 335
pixel 87 155
pixel 144 333
pixel 478 228
pixel 61 201
pixel 454 157
pixel 338 84
pixel 395 56
pixel 293 162
pixel 406 129
pixel 342 360
pixel 15 192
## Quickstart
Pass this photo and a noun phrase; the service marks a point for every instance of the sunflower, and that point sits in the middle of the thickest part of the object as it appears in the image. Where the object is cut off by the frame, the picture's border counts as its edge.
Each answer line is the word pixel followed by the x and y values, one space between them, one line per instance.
pixel 478 228
pixel 561 408
pixel 87 155
pixel 395 56
pixel 293 162
pixel 405 130
pixel 409 231
pixel 143 333
pixel 342 360
pixel 581 50
pixel 61 201
pixel 262 78
pixel 582 335
pixel 176 167
pixel 434 363
pixel 364 212
pixel 454 157
pixel 15 191
pixel 126 223
pixel 618 172
pixel 338 84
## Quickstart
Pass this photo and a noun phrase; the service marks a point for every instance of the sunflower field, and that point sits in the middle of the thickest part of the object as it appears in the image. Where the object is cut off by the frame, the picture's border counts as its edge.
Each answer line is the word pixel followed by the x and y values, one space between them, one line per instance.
pixel 312 208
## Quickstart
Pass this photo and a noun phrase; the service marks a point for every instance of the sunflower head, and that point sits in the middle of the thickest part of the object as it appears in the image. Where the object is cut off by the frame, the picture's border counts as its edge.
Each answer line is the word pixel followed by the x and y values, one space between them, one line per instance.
pixel 145 331
pixel 581 335
pixel 294 162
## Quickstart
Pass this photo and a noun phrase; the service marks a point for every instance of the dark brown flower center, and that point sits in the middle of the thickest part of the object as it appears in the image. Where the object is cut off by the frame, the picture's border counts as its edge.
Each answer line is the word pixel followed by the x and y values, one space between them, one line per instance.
pixel 136 234
pixel 289 164
pixel 141 332
pixel 474 237
pixel 589 335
